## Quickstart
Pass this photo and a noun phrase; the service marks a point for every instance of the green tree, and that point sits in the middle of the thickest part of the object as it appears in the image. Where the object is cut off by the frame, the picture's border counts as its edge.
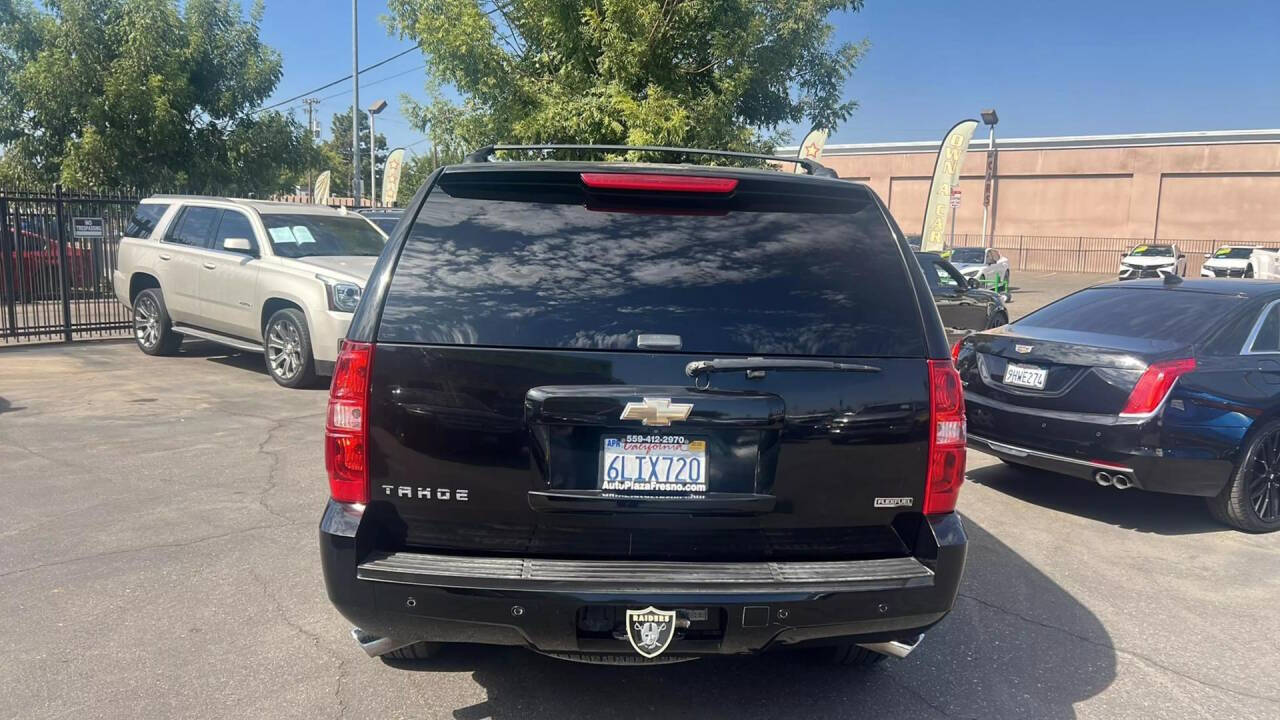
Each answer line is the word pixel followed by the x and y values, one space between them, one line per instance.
pixel 144 93
pixel 337 153
pixel 710 73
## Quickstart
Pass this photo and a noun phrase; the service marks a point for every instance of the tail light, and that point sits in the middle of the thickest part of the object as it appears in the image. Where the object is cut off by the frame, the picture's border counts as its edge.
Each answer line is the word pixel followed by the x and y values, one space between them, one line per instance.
pixel 1155 384
pixel 955 351
pixel 346 432
pixel 661 183
pixel 947 441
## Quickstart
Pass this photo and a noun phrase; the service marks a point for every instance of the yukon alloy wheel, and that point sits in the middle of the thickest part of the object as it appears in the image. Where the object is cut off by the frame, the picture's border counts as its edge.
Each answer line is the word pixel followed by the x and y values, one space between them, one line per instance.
pixel 146 321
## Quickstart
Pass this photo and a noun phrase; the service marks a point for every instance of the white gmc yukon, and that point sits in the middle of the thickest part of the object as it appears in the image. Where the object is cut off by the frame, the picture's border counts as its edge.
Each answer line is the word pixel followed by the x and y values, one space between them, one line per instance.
pixel 277 278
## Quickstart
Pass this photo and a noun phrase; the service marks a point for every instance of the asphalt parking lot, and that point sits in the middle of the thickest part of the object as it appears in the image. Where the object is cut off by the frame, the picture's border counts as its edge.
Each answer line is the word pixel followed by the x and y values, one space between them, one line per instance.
pixel 159 561
pixel 1032 289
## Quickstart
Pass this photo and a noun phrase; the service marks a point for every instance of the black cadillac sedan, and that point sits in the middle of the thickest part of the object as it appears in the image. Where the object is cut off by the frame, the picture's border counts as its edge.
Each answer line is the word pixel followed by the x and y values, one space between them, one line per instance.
pixel 963 306
pixel 1169 386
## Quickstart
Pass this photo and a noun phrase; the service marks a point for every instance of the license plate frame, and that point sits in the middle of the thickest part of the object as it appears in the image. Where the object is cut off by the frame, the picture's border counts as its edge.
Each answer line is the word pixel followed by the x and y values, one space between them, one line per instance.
pixel 654 464
pixel 1029 377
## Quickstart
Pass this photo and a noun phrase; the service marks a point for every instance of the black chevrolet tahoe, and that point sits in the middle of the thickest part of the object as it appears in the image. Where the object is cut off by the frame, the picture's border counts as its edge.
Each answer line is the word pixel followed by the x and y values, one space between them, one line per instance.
pixel 639 413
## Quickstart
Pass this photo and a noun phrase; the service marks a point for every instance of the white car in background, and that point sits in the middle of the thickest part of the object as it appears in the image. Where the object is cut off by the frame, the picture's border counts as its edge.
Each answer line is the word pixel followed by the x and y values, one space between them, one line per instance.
pixel 1229 261
pixel 986 265
pixel 1152 261
pixel 1264 264
pixel 282 279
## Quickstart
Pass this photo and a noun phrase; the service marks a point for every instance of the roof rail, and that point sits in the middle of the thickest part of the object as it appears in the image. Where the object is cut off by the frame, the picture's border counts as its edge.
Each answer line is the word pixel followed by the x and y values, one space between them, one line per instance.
pixel 813 167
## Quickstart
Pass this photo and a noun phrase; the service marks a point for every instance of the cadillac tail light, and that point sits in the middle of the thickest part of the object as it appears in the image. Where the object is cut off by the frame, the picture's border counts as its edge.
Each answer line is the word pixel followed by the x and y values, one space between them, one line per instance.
pixel 946 439
pixel 346 430
pixel 1154 385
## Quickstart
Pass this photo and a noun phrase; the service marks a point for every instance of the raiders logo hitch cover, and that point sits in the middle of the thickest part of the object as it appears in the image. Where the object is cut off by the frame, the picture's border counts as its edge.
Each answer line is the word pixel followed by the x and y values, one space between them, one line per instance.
pixel 651 630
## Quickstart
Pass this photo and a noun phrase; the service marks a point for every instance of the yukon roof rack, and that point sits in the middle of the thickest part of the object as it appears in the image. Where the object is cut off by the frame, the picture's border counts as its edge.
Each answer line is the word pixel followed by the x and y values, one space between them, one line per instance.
pixel 813 167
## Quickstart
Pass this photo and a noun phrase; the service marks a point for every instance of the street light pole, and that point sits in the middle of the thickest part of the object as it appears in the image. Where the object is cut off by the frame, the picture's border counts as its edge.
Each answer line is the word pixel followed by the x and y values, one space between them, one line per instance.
pixel 373 163
pixel 355 106
pixel 990 118
pixel 374 109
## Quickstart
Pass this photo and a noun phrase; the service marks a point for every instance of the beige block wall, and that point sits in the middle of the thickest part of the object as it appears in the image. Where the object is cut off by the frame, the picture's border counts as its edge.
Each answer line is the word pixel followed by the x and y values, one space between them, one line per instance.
pixel 1227 192
pixel 1213 206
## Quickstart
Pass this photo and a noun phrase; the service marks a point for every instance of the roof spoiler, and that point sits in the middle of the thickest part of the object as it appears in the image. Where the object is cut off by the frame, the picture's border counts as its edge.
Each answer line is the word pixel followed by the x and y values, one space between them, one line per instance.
pixel 812 167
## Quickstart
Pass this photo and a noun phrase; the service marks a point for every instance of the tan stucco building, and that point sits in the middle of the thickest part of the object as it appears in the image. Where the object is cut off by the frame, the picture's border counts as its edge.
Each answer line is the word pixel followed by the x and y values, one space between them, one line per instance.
pixel 1220 186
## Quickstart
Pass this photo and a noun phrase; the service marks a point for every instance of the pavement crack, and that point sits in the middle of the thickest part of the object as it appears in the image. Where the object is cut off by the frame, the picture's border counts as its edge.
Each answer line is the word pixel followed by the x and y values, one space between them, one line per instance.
pixel 144 548
pixel 1121 651
pixel 272 469
pixel 920 696
pixel 313 637
pixel 63 462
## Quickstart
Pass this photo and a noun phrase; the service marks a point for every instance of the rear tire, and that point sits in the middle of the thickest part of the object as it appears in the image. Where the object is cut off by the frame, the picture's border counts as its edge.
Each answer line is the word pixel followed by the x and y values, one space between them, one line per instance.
pixel 851 655
pixel 416 652
pixel 287 349
pixel 1251 499
pixel 997 320
pixel 152 329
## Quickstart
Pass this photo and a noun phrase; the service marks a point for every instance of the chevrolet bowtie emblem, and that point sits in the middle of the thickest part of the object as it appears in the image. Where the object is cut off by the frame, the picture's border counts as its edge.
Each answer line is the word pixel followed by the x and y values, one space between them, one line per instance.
pixel 656 411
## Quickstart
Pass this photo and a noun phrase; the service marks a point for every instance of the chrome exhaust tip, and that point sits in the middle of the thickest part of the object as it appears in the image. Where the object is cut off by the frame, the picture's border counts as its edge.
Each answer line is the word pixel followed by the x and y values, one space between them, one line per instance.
pixel 1121 482
pixel 1103 478
pixel 895 648
pixel 374 645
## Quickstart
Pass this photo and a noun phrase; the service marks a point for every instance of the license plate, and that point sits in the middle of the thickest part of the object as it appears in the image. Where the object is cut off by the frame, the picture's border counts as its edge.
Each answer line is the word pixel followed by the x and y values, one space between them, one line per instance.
pixel 1025 376
pixel 654 463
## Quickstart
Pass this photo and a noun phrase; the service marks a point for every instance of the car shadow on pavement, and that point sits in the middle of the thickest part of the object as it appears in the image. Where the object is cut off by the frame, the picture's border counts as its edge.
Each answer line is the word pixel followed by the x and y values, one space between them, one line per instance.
pixel 6 406
pixel 230 357
pixel 1159 513
pixel 1016 645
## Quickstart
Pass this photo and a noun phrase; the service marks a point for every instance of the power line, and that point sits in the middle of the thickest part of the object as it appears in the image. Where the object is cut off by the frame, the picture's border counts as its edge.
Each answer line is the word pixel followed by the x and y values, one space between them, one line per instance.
pixel 326 86
pixel 373 82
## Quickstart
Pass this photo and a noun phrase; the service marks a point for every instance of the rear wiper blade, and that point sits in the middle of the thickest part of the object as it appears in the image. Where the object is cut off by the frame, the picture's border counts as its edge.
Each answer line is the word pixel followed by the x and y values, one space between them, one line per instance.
pixel 757 366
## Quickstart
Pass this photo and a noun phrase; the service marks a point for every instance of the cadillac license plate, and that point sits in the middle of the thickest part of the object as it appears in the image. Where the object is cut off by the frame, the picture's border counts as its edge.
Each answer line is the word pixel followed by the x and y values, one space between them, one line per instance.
pixel 1025 376
pixel 653 463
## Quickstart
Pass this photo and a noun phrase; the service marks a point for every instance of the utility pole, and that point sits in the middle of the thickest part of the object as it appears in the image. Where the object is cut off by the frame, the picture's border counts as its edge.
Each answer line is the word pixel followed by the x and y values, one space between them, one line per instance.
pixel 311 130
pixel 355 106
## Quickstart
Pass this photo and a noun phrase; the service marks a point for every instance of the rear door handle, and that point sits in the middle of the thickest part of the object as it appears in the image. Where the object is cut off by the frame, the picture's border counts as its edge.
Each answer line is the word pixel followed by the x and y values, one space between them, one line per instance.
pixel 165 257
pixel 1270 370
pixel 210 266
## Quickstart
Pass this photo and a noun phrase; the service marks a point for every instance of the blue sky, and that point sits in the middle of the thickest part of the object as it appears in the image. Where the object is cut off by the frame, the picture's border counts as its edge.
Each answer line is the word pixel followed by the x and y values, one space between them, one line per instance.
pixel 1050 68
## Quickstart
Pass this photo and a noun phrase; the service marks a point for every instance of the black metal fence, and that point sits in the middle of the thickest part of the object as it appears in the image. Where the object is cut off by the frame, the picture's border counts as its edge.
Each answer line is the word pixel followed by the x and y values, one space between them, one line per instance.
pixel 57 252
pixel 1078 253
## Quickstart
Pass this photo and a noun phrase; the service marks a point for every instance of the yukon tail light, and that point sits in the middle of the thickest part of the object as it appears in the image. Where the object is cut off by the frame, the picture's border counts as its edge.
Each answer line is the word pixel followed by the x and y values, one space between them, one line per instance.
pixel 660 183
pixel 946 439
pixel 1155 384
pixel 346 431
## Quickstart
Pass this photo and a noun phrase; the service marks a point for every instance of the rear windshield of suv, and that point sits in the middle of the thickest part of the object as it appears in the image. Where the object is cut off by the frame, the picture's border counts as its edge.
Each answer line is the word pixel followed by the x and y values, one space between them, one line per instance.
pixel 1148 313
pixel 524 259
